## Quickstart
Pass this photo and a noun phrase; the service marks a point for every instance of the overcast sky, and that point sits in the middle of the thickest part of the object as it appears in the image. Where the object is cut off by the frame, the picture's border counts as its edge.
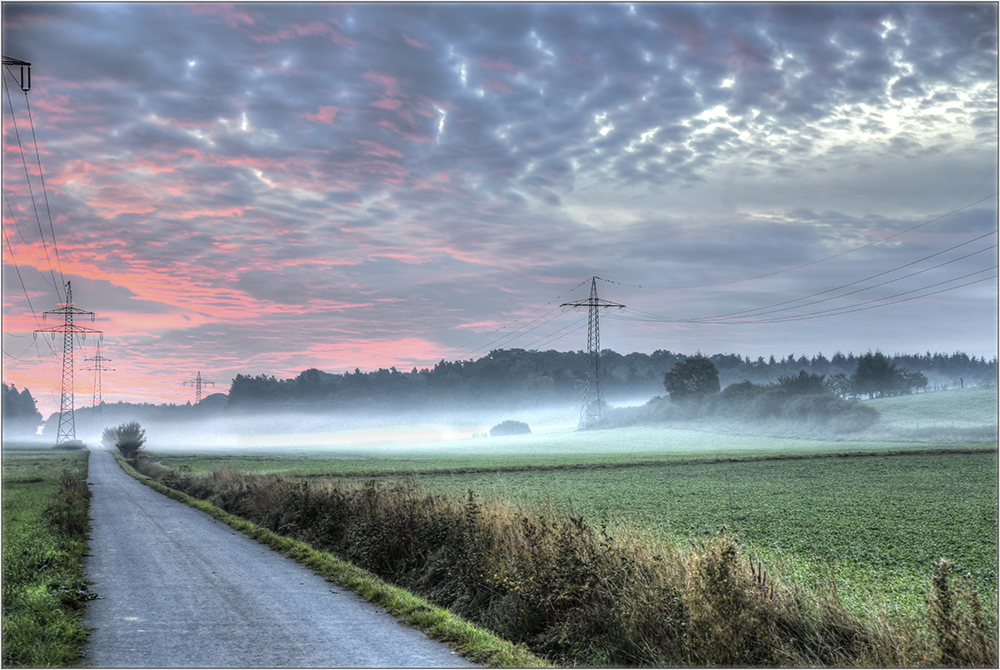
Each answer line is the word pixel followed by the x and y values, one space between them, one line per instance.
pixel 264 188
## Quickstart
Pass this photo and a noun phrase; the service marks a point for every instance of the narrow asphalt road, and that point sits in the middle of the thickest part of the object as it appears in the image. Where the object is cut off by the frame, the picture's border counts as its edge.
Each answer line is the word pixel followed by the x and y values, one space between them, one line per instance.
pixel 179 589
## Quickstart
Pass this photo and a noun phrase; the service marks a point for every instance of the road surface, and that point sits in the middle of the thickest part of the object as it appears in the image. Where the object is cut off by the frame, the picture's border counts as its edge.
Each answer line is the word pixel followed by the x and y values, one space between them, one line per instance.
pixel 178 588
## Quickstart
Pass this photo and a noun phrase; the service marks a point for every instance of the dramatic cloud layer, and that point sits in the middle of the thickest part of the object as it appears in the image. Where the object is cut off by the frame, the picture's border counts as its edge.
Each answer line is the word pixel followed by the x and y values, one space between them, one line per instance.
pixel 264 188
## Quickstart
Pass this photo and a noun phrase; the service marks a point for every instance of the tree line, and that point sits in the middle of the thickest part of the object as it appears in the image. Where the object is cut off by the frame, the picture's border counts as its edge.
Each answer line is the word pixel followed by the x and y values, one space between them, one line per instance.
pixel 518 377
pixel 20 412
pixel 512 378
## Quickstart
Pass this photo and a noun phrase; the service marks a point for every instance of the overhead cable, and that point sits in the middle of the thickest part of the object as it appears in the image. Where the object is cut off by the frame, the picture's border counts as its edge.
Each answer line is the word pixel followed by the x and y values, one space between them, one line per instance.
pixel 805 265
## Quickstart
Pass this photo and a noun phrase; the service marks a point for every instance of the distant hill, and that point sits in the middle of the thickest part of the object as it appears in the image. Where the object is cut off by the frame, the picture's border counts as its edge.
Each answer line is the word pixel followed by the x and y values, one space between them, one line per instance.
pixel 954 415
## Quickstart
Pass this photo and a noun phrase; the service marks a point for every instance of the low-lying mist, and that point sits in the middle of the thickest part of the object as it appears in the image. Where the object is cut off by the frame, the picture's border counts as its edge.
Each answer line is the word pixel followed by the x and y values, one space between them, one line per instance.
pixel 348 432
pixel 957 416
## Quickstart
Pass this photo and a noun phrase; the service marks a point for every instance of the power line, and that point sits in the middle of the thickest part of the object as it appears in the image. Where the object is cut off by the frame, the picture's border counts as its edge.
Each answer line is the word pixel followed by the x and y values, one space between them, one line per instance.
pixel 857 307
pixel 767 309
pixel 20 233
pixel 515 334
pixel 748 315
pixel 836 311
pixel 579 324
pixel 805 265
pixel 31 192
pixel 45 193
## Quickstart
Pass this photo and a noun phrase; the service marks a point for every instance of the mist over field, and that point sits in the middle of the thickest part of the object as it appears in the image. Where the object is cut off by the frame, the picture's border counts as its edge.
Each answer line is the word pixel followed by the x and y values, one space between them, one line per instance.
pixel 343 431
pixel 944 417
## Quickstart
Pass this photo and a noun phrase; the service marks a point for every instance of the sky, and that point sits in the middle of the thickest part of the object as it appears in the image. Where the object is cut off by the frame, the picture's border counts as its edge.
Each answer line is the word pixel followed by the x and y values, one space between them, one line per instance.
pixel 265 188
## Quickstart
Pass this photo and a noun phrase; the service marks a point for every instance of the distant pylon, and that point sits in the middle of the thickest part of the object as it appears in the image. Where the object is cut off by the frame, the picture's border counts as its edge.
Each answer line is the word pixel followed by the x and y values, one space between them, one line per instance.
pixel 98 368
pixel 67 420
pixel 593 404
pixel 197 382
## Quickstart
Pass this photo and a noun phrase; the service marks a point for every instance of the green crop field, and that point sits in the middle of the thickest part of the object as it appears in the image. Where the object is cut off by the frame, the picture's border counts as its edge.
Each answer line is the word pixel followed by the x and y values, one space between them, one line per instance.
pixel 878 513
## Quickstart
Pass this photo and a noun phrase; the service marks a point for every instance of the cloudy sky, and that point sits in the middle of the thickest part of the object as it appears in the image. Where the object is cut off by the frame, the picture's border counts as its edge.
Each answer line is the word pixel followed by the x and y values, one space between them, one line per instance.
pixel 264 188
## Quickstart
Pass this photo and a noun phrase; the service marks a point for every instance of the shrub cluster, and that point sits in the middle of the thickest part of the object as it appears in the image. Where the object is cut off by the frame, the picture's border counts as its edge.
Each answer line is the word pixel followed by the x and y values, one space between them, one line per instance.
pixel 800 399
pixel 803 401
pixel 68 512
pixel 129 438
pixel 570 592
pixel 510 428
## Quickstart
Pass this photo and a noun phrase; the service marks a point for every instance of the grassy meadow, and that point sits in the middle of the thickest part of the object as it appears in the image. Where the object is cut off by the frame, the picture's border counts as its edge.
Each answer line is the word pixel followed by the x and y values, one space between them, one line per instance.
pixel 44 540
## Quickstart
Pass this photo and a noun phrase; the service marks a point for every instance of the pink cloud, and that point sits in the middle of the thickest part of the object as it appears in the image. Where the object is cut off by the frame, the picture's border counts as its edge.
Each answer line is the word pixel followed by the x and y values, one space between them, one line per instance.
pixel 313 28
pixel 389 125
pixel 416 43
pixel 231 15
pixel 388 103
pixel 403 354
pixel 480 325
pixel 112 201
pixel 377 149
pixel 388 82
pixel 326 114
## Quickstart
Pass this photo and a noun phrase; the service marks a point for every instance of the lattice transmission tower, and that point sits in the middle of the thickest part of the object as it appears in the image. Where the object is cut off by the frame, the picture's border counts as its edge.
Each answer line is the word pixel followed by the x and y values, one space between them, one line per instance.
pixel 197 383
pixel 593 403
pixel 24 81
pixel 98 368
pixel 67 420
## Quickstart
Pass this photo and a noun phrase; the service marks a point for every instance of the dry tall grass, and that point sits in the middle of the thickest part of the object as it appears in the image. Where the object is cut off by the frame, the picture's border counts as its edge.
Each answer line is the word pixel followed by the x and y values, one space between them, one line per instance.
pixel 580 596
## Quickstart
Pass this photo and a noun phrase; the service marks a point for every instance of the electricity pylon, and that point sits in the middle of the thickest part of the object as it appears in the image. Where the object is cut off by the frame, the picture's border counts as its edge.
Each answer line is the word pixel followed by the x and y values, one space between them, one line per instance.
pixel 593 404
pixel 25 81
pixel 197 382
pixel 67 420
pixel 98 368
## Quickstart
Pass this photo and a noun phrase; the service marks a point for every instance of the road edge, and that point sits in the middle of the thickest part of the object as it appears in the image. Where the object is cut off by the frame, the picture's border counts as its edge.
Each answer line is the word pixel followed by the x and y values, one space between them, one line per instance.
pixel 472 642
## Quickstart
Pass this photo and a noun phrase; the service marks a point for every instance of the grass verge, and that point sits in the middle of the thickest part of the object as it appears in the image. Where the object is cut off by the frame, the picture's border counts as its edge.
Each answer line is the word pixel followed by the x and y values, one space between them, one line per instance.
pixel 45 503
pixel 472 642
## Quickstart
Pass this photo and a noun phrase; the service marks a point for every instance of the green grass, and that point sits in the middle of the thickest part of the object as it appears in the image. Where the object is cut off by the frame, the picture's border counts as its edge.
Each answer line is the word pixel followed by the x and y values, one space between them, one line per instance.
pixel 44 541
pixel 960 408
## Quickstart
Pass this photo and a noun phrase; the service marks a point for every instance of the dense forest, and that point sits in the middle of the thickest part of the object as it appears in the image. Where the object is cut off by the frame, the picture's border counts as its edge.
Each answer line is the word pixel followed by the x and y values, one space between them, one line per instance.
pixel 519 378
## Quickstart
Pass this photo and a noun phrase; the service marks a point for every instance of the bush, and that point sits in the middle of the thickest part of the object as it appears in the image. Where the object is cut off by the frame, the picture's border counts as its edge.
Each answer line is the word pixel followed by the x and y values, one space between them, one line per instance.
pixel 801 399
pixel 510 428
pixel 68 512
pixel 129 440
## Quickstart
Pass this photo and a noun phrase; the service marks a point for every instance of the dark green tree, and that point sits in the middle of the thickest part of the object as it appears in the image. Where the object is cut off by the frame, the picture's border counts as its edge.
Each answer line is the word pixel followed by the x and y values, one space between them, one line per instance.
pixel 878 377
pixel 692 378
pixel 20 414
pixel 129 440
pixel 803 384
pixel 839 384
pixel 874 376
